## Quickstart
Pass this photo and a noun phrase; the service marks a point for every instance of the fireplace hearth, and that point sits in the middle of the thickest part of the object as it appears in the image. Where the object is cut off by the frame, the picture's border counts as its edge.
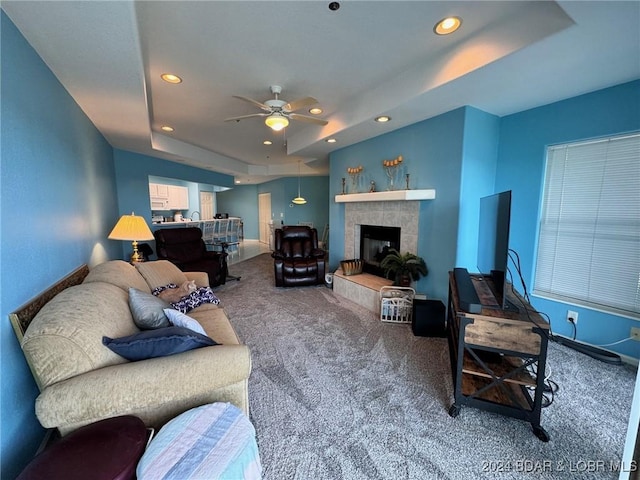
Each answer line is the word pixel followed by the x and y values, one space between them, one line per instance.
pixel 375 243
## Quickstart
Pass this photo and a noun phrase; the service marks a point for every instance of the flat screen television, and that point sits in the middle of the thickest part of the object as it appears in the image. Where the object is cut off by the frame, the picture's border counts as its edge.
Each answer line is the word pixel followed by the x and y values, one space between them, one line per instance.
pixel 493 245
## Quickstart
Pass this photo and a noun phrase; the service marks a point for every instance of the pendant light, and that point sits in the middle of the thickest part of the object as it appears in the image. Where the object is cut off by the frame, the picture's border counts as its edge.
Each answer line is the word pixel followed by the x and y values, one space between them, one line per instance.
pixel 299 200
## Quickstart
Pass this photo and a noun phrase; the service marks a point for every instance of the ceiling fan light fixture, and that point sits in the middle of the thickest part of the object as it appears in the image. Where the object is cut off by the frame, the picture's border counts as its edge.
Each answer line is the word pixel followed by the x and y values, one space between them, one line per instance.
pixel 276 121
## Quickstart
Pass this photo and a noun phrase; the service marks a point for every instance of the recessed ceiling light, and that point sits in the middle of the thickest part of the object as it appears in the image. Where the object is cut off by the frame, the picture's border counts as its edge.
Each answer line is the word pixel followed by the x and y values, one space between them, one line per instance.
pixel 331 140
pixel 267 142
pixel 171 78
pixel 237 181
pixel 447 25
pixel 315 111
pixel 383 118
pixel 166 128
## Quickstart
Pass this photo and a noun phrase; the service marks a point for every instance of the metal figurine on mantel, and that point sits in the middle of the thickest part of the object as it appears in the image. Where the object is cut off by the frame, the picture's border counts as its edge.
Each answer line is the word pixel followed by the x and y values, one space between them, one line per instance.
pixel 390 167
pixel 343 188
pixel 355 172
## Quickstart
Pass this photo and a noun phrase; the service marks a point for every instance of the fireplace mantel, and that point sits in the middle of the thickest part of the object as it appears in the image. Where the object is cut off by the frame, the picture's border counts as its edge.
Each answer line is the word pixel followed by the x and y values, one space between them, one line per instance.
pixel 390 196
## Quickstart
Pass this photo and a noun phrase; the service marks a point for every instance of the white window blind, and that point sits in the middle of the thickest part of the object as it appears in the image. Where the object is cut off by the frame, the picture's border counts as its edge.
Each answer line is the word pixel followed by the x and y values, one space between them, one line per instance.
pixel 589 243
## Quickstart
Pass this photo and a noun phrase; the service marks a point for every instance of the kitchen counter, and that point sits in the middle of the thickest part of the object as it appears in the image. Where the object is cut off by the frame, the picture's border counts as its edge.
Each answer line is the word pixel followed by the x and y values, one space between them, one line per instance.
pixel 183 223
pixel 187 223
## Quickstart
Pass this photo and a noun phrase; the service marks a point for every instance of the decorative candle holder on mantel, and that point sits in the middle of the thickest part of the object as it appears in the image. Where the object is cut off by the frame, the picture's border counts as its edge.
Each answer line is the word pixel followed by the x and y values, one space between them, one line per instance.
pixel 354 173
pixel 390 167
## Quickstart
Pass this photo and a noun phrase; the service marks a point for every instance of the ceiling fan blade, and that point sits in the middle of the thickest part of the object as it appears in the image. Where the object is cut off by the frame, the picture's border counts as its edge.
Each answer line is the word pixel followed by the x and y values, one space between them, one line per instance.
pixel 241 117
pixel 307 119
pixel 298 104
pixel 254 102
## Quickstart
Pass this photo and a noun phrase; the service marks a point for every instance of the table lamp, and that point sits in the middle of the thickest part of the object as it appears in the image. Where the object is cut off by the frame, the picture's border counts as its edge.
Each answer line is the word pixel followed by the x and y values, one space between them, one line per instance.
pixel 132 228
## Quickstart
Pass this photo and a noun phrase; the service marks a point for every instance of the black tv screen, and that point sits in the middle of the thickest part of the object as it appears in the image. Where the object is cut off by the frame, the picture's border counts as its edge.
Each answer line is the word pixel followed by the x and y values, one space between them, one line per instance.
pixel 493 243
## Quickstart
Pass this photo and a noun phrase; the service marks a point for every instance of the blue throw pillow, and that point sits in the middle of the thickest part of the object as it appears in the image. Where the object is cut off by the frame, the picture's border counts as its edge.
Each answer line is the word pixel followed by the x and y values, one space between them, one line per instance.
pixel 160 342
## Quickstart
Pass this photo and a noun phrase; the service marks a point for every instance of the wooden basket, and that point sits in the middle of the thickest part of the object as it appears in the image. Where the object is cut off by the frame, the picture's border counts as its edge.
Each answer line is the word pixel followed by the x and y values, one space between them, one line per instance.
pixel 351 267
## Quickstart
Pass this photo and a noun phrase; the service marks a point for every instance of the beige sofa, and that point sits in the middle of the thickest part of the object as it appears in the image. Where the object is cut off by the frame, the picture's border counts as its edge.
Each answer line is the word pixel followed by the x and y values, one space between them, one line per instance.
pixel 82 381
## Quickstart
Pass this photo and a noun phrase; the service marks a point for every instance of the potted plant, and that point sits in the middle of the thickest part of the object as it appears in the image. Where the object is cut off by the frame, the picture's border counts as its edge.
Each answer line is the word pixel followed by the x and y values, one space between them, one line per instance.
pixel 403 268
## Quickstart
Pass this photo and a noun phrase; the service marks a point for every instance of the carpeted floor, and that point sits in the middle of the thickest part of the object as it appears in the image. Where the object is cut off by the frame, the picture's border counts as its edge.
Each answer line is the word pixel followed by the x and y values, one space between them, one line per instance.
pixel 337 394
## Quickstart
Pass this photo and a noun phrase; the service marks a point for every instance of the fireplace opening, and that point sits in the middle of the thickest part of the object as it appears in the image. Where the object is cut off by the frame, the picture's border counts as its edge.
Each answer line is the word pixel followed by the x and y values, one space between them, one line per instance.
pixel 375 243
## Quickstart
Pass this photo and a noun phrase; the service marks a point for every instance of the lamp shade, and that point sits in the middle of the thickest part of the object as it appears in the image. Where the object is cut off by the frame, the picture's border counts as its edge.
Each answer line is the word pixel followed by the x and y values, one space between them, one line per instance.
pixel 131 227
pixel 276 121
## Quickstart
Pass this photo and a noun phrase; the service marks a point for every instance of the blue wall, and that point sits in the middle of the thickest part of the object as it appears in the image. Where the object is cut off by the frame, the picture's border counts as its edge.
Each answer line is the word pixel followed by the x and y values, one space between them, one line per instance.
pixel 58 197
pixel 524 138
pixel 242 201
pixel 445 153
pixel 132 172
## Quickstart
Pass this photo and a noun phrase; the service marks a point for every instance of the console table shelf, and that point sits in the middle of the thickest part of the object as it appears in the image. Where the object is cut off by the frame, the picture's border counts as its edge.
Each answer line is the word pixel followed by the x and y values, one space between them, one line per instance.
pixel 493 354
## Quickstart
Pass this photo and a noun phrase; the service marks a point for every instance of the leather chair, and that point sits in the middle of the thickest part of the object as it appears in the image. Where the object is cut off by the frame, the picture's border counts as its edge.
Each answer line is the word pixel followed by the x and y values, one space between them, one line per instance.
pixel 297 259
pixel 185 248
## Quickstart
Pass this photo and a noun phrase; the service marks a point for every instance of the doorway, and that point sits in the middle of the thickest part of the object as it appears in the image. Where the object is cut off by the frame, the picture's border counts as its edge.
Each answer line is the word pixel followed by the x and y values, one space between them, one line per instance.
pixel 264 218
pixel 206 205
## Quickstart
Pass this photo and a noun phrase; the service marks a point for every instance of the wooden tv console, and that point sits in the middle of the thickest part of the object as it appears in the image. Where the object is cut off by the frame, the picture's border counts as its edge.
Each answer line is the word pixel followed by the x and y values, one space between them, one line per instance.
pixel 498 357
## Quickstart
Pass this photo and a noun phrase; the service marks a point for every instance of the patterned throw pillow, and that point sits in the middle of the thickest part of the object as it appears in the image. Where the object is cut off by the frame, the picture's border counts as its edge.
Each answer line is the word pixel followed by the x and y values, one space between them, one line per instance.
pixel 193 300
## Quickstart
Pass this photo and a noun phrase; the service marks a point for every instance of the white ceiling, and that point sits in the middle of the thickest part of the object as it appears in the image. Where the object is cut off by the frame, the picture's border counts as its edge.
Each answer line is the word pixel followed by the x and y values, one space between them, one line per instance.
pixel 365 59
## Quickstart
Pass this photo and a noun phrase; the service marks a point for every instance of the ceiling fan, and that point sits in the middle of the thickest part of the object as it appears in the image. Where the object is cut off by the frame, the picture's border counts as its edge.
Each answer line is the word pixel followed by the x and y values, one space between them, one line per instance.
pixel 278 112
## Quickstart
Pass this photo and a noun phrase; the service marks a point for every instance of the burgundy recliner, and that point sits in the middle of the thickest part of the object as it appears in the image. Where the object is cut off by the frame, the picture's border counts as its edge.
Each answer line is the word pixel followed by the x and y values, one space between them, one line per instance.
pixel 297 259
pixel 185 248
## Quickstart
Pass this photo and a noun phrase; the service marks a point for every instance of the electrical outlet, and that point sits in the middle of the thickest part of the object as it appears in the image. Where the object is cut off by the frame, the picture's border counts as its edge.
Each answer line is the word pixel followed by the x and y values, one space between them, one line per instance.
pixel 572 317
pixel 635 333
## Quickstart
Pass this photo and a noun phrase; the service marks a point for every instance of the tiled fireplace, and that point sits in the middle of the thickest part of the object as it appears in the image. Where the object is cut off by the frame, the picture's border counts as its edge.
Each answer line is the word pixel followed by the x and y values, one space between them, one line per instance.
pixel 364 288
pixel 385 214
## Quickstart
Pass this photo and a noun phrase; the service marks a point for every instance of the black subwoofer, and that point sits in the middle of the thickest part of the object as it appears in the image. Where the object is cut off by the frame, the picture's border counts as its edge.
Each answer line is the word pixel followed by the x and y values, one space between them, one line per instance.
pixel 429 318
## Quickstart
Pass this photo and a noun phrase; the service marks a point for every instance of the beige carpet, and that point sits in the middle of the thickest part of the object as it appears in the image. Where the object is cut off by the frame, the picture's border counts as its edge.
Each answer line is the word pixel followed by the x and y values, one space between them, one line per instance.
pixel 337 394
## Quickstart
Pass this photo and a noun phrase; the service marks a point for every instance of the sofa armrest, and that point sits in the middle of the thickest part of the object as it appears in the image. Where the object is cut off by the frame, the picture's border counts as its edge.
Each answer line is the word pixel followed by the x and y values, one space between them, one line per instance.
pixel 133 387
pixel 201 278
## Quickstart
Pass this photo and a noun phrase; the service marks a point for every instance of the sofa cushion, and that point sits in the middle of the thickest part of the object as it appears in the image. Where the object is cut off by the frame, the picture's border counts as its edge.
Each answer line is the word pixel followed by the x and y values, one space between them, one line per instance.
pixel 147 310
pixel 160 273
pixel 118 273
pixel 65 337
pixel 179 319
pixel 215 323
pixel 160 342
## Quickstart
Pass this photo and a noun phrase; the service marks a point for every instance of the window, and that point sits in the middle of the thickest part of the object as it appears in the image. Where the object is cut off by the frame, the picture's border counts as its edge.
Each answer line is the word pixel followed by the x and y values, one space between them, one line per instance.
pixel 589 240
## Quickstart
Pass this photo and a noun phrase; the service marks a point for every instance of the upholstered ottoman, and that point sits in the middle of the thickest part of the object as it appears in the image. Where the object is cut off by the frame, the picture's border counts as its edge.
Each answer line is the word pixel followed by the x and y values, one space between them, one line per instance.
pixel 104 450
pixel 214 441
